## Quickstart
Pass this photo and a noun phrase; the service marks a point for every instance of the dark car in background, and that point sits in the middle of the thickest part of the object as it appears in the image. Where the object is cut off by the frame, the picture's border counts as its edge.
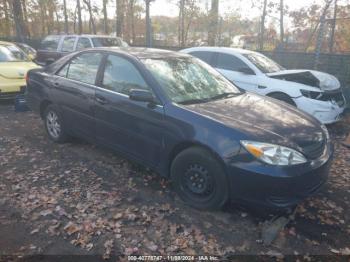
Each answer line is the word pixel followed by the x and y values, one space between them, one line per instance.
pixel 176 114
pixel 54 47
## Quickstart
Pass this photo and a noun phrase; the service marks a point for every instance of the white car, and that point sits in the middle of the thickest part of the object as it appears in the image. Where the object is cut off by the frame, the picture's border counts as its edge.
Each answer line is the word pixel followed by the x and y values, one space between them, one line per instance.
pixel 313 92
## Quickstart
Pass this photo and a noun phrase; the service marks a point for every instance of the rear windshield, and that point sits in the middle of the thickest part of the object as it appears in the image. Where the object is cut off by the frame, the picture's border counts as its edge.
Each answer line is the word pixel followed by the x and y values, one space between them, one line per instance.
pixel 12 54
pixel 108 41
pixel 50 43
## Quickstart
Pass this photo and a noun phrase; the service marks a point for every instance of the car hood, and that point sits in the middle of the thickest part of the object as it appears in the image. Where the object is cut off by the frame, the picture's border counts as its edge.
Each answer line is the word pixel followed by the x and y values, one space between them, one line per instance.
pixel 16 70
pixel 323 81
pixel 263 119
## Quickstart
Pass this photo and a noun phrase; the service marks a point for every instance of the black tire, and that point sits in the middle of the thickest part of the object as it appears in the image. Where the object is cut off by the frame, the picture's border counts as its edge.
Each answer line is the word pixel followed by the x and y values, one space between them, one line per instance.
pixel 60 136
pixel 283 97
pixel 210 193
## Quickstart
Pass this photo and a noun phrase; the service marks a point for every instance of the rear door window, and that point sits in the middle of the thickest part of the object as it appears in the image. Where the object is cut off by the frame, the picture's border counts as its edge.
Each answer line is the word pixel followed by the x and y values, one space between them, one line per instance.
pixel 68 44
pixel 83 43
pixel 50 43
pixel 82 68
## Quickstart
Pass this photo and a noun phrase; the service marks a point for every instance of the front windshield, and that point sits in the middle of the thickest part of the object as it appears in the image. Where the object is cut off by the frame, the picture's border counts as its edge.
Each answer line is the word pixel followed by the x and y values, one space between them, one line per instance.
pixel 188 80
pixel 265 64
pixel 12 54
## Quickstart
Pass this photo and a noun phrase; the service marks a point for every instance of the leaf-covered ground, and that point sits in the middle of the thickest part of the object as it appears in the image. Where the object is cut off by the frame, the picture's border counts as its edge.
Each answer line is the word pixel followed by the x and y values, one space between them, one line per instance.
pixel 81 199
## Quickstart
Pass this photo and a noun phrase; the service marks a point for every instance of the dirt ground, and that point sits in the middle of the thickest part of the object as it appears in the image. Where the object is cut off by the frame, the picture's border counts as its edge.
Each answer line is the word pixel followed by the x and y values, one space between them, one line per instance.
pixel 79 199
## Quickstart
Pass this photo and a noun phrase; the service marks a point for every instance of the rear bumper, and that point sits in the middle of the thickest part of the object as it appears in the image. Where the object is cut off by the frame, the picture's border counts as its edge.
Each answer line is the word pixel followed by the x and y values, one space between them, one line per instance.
pixel 12 95
pixel 279 187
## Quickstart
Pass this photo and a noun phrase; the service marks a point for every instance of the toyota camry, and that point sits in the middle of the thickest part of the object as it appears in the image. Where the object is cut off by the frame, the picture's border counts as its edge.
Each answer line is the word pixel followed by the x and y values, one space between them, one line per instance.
pixel 177 115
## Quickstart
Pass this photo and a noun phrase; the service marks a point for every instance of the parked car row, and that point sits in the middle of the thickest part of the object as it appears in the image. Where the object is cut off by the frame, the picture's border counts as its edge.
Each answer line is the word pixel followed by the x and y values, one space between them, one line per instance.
pixel 179 116
pixel 17 58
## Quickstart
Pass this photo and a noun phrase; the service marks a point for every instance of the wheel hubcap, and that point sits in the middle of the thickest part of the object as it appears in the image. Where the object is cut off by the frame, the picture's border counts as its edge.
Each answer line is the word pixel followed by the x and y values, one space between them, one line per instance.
pixel 198 180
pixel 53 125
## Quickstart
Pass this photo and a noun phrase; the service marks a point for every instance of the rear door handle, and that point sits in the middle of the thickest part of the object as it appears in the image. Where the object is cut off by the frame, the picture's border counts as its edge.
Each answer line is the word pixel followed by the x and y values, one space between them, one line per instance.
pixel 101 100
pixel 56 84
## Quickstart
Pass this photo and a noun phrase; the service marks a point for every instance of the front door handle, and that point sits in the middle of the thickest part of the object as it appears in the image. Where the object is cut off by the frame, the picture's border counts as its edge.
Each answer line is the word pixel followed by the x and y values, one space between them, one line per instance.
pixel 101 100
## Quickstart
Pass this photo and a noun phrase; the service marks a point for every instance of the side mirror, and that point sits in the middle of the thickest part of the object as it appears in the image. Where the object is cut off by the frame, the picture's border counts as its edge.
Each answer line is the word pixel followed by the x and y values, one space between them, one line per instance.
pixel 141 95
pixel 246 71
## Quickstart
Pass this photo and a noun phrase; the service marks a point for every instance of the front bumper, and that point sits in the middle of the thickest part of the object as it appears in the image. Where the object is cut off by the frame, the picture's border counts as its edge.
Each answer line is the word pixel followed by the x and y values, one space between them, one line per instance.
pixel 276 187
pixel 327 112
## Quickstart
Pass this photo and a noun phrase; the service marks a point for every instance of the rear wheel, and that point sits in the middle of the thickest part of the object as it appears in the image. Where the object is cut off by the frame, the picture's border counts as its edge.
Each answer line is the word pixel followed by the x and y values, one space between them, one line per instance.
pixel 199 179
pixel 54 125
pixel 283 97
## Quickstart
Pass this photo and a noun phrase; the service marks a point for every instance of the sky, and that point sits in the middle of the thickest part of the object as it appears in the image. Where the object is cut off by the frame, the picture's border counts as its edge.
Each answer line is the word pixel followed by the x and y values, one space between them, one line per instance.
pixel 242 7
pixel 170 8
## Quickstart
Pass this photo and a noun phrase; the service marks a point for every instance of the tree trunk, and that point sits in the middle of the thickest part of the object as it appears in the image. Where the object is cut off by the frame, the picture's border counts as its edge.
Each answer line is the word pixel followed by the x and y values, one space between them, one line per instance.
pixel 25 16
pixel 120 17
pixel 65 16
pixel 148 25
pixel 18 18
pixel 320 34
pixel 182 23
pixel 132 19
pixel 214 20
pixel 80 22
pixel 7 26
pixel 262 27
pixel 92 21
pixel 281 22
pixel 334 23
pixel 105 17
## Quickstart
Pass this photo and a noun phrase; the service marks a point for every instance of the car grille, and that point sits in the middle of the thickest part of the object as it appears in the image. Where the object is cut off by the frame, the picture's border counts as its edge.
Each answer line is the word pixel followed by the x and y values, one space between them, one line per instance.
pixel 314 150
pixel 336 96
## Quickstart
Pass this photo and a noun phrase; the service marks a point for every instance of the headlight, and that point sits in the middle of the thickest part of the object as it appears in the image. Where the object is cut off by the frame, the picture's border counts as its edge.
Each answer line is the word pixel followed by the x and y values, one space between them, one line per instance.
pixel 311 94
pixel 274 154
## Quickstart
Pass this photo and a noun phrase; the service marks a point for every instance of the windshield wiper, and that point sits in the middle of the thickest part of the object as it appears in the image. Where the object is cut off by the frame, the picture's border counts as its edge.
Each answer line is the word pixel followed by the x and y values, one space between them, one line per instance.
pixel 193 101
pixel 223 95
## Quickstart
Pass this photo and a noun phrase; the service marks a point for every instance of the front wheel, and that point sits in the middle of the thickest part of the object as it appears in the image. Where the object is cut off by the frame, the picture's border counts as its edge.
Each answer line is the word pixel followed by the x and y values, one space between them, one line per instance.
pixel 199 179
pixel 54 125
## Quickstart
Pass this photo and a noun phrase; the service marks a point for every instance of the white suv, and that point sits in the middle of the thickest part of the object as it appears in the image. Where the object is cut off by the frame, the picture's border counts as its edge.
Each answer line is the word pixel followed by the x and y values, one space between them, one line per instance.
pixel 313 92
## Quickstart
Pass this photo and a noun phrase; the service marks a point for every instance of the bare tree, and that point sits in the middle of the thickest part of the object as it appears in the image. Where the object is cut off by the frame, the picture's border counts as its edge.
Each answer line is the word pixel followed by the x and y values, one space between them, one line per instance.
pixel 181 24
pixel 18 18
pixel 281 22
pixel 105 18
pixel 321 32
pixel 92 20
pixel 25 17
pixel 262 26
pixel 334 23
pixel 80 22
pixel 120 17
pixel 148 24
pixel 214 21
pixel 65 16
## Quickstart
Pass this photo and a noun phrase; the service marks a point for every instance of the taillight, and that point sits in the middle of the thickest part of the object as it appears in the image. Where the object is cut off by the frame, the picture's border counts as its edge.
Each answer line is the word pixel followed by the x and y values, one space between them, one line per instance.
pixel 27 78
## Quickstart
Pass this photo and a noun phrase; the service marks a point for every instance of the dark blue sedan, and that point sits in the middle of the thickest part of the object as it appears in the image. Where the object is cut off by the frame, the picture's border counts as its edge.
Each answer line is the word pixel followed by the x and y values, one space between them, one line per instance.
pixel 177 115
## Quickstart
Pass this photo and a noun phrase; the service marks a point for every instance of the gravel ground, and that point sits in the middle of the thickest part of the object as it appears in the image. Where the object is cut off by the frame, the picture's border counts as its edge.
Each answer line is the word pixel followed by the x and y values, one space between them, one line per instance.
pixel 79 199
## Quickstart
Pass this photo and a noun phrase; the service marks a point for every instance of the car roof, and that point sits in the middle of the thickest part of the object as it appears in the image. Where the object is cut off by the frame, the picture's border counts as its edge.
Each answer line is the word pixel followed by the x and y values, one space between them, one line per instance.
pixel 142 52
pixel 228 50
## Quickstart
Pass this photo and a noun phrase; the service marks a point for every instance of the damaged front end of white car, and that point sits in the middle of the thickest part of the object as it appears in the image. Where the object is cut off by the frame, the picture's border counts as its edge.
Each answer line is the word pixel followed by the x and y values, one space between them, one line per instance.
pixel 320 94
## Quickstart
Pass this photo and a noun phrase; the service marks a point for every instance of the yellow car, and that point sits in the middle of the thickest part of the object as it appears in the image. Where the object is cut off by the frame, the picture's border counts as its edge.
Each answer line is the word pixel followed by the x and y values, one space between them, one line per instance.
pixel 14 64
